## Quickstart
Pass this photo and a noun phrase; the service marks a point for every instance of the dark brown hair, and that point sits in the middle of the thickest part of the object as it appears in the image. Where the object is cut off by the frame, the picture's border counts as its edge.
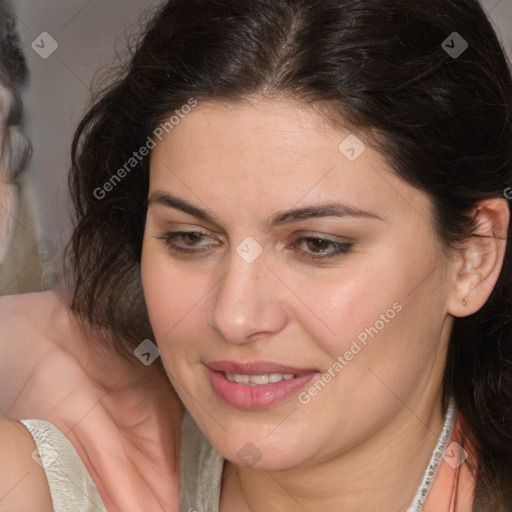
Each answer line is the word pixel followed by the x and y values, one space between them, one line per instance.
pixel 443 121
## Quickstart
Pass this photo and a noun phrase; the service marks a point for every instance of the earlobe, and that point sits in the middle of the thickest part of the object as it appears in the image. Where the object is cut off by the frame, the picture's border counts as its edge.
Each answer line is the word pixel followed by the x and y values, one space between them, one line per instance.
pixel 479 263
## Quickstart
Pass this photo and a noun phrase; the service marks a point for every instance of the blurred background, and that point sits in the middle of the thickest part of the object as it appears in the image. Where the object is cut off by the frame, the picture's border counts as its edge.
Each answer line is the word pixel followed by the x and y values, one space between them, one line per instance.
pixel 66 43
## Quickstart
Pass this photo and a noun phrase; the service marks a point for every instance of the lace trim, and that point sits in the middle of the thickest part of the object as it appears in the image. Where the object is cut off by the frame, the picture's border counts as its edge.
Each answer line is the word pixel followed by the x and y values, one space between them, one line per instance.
pixel 433 466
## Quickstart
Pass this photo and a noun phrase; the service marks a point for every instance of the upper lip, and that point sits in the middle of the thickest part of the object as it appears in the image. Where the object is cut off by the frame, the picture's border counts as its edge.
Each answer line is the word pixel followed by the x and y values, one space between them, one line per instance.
pixel 255 368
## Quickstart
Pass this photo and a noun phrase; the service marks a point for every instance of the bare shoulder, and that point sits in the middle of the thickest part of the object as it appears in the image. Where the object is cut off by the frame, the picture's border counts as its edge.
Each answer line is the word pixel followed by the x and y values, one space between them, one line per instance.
pixel 20 313
pixel 23 483
pixel 23 343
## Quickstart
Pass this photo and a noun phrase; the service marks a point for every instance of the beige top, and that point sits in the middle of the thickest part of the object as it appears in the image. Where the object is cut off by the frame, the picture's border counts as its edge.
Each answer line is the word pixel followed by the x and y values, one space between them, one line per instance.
pixel 71 486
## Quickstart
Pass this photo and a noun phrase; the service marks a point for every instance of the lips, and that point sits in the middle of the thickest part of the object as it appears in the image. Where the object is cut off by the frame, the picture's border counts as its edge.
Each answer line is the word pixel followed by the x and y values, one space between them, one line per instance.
pixel 250 390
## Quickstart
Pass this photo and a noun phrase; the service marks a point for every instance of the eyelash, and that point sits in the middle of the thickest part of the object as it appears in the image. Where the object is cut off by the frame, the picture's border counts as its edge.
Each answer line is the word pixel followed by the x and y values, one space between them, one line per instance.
pixel 340 248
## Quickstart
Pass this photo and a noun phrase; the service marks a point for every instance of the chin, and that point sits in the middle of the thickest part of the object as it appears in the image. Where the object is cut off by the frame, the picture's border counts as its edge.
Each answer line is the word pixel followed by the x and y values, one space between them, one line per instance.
pixel 262 453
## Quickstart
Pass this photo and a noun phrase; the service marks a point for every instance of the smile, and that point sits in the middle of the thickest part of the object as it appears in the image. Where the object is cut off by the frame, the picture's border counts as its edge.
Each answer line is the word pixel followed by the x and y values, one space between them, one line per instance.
pixel 256 385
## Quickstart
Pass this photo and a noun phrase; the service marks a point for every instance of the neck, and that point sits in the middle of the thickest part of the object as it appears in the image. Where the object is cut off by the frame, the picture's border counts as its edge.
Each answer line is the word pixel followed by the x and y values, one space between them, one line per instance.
pixel 386 469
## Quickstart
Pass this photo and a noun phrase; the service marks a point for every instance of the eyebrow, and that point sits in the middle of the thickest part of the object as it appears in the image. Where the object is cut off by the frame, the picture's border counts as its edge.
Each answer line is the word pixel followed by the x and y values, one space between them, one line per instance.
pixel 330 209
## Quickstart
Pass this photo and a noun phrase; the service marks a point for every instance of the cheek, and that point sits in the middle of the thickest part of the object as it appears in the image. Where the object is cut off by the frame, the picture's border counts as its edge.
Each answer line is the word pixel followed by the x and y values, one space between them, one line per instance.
pixel 173 296
pixel 347 301
pixel 391 314
pixel 363 323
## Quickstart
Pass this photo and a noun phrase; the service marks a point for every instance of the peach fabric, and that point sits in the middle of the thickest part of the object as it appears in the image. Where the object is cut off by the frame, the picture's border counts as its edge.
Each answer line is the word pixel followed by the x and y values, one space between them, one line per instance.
pixel 454 485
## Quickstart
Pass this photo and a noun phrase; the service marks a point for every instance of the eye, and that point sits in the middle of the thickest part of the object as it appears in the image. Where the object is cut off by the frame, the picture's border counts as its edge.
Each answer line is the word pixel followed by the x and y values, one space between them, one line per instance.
pixel 189 239
pixel 319 248
pixel 316 247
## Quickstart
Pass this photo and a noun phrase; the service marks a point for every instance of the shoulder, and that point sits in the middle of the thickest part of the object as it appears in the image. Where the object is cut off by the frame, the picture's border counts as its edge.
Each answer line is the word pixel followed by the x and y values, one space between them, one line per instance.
pixel 23 344
pixel 17 304
pixel 22 314
pixel 23 483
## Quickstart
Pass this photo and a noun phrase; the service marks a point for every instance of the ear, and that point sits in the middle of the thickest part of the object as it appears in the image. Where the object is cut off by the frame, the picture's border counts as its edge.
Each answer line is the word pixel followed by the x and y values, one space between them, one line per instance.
pixel 478 264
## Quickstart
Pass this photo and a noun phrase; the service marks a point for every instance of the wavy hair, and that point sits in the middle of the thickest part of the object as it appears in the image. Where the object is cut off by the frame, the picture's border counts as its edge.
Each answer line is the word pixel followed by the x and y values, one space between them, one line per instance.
pixel 444 123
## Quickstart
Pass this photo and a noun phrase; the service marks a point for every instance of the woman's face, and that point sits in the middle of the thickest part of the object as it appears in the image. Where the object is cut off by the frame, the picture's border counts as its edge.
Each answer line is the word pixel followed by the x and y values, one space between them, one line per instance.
pixel 274 248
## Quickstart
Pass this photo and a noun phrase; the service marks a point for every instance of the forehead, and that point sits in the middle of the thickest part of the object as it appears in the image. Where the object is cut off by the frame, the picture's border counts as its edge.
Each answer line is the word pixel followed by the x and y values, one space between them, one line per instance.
pixel 250 127
pixel 250 139
pixel 272 152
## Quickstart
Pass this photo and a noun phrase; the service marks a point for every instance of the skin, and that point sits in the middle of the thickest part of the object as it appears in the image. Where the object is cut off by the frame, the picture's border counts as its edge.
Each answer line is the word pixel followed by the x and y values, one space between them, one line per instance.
pixel 49 371
pixel 374 426
pixel 20 478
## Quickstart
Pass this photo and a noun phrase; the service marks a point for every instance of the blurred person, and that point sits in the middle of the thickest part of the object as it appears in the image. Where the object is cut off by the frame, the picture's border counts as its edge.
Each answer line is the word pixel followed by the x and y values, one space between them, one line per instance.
pixel 20 268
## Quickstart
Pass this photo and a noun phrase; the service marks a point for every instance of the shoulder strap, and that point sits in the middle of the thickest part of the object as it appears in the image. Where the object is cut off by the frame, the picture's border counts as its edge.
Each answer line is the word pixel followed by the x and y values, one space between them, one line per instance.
pixel 71 486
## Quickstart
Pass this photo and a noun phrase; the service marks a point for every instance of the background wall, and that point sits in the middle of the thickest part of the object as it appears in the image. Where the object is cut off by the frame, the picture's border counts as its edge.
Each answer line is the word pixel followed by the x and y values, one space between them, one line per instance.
pixel 78 38
pixel 86 32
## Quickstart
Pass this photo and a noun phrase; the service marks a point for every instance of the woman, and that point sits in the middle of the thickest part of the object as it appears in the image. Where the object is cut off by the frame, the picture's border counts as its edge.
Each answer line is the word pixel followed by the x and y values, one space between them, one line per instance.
pixel 19 269
pixel 246 196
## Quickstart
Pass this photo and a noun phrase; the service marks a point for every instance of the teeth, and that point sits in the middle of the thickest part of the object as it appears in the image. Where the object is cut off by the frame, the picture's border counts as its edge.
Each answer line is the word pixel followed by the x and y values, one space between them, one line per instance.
pixel 258 380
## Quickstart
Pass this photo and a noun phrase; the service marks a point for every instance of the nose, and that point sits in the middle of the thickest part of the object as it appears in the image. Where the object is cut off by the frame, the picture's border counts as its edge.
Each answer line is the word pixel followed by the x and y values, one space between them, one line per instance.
pixel 248 303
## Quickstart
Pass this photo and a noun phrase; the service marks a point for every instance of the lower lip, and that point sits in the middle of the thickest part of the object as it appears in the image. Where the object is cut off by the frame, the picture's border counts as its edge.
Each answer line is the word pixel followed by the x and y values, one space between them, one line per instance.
pixel 244 396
